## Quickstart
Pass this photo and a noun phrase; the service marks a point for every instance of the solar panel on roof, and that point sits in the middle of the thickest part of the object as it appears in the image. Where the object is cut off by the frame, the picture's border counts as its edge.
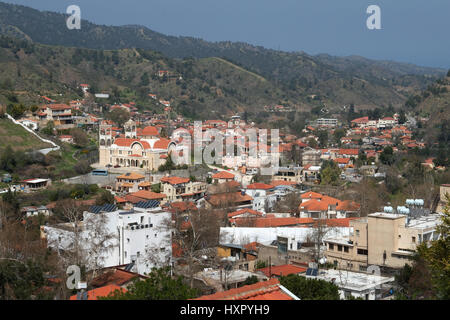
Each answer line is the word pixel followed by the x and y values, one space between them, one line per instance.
pixel 129 266
pixel 147 204
pixel 314 272
pixel 308 271
pixel 104 208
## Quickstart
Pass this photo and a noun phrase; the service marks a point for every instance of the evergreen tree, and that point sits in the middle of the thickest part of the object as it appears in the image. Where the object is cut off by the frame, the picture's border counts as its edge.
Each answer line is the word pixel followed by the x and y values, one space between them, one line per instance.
pixel 159 286
pixel 310 289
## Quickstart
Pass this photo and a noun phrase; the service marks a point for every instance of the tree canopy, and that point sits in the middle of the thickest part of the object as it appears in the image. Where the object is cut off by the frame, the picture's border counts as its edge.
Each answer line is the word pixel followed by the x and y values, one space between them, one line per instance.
pixel 159 286
pixel 310 289
pixel 19 280
pixel 329 173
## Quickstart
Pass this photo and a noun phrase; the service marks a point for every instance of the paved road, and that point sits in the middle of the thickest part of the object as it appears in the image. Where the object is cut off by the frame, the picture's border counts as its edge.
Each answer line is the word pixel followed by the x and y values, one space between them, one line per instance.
pixel 91 179
pixel 43 151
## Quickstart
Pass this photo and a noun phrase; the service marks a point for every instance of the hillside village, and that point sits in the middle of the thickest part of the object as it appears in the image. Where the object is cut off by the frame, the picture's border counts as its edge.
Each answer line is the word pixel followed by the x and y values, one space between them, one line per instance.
pixel 144 177
pixel 248 225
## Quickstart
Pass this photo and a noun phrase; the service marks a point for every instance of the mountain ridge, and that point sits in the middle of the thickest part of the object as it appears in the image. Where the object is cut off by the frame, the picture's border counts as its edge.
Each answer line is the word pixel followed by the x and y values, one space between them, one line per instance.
pixel 298 77
pixel 54 32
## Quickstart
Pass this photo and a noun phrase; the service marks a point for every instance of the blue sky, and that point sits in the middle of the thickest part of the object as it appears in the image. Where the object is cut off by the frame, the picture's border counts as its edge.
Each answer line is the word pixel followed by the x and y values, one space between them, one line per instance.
pixel 414 31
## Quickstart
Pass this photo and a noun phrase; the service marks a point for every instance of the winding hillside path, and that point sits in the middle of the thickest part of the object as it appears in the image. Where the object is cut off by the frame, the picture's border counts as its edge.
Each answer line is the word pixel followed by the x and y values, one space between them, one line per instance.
pixel 43 151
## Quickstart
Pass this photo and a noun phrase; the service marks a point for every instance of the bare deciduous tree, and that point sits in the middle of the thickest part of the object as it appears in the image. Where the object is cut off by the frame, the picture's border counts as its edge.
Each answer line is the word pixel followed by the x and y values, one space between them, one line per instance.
pixel 319 231
pixel 193 233
pixel 82 243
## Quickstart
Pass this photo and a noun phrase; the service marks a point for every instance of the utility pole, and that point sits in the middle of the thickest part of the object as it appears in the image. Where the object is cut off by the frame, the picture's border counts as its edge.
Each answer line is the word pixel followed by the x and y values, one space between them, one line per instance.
pixel 270 267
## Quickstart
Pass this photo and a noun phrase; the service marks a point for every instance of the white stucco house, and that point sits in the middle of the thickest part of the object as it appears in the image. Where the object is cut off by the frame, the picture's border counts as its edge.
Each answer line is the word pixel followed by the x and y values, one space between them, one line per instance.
pixel 141 236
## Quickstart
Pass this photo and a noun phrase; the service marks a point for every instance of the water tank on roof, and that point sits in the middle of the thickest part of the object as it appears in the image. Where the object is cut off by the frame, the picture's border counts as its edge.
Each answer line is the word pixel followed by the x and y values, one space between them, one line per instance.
pixel 388 209
pixel 419 202
pixel 410 202
pixel 402 210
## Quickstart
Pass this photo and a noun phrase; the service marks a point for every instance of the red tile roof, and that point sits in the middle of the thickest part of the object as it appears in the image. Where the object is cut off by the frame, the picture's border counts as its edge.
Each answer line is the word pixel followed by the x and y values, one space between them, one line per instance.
pixel 59 106
pixel 316 205
pixel 252 246
pixel 353 152
pixel 361 120
pixel 348 205
pixel 342 160
pixel 161 144
pixel 276 183
pixel 117 277
pixel 182 206
pixel 119 199
pixel 127 142
pixel 259 186
pixel 282 270
pixel 311 195
pixel 244 211
pixel 150 131
pixel 271 222
pixel 265 290
pixel 131 176
pixel 343 222
pixel 223 175
pixel 175 180
pixel 228 197
pixel 101 292
pixel 148 195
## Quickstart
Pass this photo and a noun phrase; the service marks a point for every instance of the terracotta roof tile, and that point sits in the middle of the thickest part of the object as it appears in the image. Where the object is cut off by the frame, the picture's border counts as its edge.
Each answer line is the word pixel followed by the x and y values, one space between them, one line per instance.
pixel 244 211
pixel 223 175
pixel 148 195
pixel 258 185
pixel 131 176
pixel 228 197
pixel 269 222
pixel 127 142
pixel 101 292
pixel 150 131
pixel 282 270
pixel 265 290
pixel 161 144
pixel 174 180
pixel 277 183
pixel 311 195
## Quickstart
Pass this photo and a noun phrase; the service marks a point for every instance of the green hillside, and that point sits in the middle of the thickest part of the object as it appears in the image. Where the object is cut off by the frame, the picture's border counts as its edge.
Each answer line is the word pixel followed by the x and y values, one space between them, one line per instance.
pixel 434 104
pixel 334 81
pixel 16 137
pixel 197 88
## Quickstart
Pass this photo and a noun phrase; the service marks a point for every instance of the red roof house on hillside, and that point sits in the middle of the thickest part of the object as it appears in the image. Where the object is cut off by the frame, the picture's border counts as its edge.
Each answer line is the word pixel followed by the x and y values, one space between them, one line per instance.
pixel 101 292
pixel 265 290
pixel 222 176
pixel 283 270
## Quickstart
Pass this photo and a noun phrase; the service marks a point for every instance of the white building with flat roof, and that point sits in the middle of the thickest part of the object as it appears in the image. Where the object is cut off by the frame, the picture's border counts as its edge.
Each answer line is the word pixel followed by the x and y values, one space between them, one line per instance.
pixel 140 236
pixel 357 284
pixel 327 122
pixel 237 235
